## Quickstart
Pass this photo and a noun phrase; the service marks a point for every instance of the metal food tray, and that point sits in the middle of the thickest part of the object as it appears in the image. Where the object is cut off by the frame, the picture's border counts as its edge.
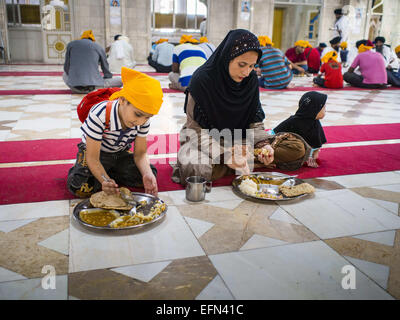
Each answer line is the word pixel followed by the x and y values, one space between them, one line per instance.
pixel 151 200
pixel 270 188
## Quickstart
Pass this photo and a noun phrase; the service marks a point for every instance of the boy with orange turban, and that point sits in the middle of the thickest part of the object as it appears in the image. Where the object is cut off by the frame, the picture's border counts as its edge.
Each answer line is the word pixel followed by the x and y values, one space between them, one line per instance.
pixel 104 160
pixel 332 70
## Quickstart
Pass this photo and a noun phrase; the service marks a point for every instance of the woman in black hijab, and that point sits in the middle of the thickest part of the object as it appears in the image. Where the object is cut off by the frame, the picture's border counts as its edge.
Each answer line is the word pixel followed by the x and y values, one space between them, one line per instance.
pixel 306 122
pixel 222 97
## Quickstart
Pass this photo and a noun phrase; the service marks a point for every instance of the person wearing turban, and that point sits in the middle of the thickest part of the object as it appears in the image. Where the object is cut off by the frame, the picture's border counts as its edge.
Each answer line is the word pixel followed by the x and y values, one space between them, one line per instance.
pixel 208 47
pixel 81 65
pixel 104 160
pixel 344 53
pixel 391 62
pixel 274 67
pixel 297 58
pixel 333 72
pixel 334 46
pixel 371 66
pixel 161 58
pixel 341 27
pixel 186 58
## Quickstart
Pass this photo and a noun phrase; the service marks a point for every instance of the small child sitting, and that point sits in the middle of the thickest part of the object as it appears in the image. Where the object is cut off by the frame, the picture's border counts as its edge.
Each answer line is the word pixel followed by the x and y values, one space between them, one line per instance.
pixel 306 123
pixel 333 72
pixel 104 160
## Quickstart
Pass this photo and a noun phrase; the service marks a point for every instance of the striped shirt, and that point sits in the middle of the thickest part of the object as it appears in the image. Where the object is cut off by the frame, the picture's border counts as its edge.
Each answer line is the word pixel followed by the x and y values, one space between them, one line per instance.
pixel 116 139
pixel 189 57
pixel 274 69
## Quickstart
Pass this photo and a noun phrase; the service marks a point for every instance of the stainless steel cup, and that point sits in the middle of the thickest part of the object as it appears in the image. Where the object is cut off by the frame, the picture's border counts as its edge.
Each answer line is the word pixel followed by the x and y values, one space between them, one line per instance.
pixel 196 188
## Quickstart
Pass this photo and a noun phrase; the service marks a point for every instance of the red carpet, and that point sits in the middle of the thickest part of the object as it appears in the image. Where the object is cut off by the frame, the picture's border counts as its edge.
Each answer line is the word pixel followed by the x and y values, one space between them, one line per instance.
pixel 65 149
pixel 47 183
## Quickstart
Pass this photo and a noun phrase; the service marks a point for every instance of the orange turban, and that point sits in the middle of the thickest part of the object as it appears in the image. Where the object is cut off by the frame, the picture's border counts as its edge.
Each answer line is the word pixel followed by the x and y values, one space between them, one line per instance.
pixel 141 90
pixel 331 55
pixel 88 34
pixel 265 40
pixel 203 39
pixel 343 45
pixel 363 48
pixel 301 43
pixel 161 40
pixel 397 49
pixel 187 38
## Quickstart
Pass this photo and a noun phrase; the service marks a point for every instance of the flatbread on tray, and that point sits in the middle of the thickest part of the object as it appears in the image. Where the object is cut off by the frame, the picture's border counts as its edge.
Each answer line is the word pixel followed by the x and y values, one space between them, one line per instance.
pixel 296 190
pixel 106 201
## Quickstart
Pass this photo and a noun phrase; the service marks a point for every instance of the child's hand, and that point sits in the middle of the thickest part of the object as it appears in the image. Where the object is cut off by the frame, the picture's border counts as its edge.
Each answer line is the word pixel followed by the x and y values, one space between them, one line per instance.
pixel 311 162
pixel 266 159
pixel 150 184
pixel 109 186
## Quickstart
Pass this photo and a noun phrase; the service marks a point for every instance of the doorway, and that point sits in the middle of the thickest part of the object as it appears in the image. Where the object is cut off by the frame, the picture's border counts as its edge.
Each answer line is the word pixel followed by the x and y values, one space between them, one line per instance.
pixel 277 27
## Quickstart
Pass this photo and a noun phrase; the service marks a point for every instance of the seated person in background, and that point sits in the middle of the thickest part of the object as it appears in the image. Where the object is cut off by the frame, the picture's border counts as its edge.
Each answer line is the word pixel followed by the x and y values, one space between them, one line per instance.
pixel 321 48
pixel 335 46
pixel 208 47
pixel 121 54
pixel 313 58
pixel 275 72
pixel 81 66
pixel 372 67
pixel 305 122
pixel 395 75
pixel 333 72
pixel 187 57
pixel 161 59
pixel 104 160
pixel 343 53
pixel 297 58
pixel 391 62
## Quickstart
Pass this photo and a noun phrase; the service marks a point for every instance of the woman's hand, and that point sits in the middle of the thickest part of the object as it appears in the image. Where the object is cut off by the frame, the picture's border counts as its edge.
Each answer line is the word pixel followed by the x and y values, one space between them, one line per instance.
pixel 266 159
pixel 240 154
pixel 150 184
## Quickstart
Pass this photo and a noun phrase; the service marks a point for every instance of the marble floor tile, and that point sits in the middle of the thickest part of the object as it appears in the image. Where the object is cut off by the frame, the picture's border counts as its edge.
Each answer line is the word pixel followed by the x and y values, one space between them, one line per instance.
pixel 341 213
pixel 169 239
pixel 228 230
pixel 310 270
pixel 32 289
pixel 23 211
pixel 181 279
pixel 21 252
pixel 215 290
pixel 376 256
pixel 7 275
pixel 366 180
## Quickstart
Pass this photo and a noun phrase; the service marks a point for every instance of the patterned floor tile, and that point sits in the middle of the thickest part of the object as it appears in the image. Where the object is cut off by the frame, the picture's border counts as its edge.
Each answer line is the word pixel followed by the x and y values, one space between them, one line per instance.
pixel 20 251
pixel 375 252
pixel 181 279
pixel 228 230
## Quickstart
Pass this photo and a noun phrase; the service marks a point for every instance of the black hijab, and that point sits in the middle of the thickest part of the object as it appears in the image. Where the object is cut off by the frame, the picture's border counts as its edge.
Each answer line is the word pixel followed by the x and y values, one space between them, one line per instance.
pixel 304 122
pixel 224 102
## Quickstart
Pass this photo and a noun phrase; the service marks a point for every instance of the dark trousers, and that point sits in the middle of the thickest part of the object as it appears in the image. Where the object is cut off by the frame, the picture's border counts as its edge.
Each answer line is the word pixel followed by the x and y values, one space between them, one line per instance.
pixel 120 166
pixel 319 81
pixel 159 67
pixel 311 70
pixel 393 78
pixel 357 81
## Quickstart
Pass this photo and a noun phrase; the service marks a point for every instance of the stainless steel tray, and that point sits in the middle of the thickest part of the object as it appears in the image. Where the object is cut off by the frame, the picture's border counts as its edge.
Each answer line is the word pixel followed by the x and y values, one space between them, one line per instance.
pixel 151 200
pixel 272 189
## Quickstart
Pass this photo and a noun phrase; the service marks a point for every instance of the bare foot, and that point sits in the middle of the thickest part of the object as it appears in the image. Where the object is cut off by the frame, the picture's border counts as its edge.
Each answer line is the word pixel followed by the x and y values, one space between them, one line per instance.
pixel 291 85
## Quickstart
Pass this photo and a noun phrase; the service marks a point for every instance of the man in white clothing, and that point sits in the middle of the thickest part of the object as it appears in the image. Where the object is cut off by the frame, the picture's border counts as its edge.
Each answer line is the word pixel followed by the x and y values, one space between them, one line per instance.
pixel 121 54
pixel 341 28
pixel 203 27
